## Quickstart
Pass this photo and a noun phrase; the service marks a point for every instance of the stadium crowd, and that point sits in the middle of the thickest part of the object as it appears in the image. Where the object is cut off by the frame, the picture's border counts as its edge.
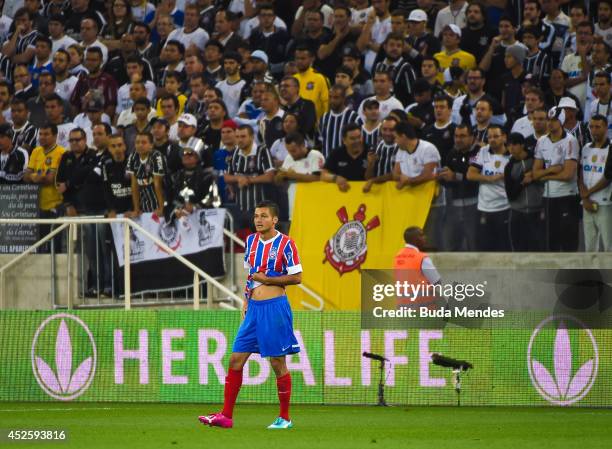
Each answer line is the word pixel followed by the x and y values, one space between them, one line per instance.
pixel 125 106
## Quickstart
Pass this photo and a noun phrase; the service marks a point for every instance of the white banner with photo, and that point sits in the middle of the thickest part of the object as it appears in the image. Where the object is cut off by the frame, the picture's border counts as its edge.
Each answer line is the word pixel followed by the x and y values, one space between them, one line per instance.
pixel 200 231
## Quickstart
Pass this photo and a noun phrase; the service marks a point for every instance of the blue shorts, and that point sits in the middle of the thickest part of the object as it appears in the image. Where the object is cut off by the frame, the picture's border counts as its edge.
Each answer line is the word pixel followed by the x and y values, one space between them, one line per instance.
pixel 267 329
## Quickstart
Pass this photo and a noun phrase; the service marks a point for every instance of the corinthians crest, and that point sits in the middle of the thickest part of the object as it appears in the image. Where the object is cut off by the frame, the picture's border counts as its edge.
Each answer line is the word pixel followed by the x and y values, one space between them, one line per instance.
pixel 346 250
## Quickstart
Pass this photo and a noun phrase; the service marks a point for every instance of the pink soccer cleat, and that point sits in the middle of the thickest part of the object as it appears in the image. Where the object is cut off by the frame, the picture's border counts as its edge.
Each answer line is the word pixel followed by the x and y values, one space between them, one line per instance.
pixel 217 420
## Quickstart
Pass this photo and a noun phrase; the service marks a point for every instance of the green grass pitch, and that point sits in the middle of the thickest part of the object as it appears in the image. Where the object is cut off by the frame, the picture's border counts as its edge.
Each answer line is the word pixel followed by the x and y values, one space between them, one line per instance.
pixel 148 426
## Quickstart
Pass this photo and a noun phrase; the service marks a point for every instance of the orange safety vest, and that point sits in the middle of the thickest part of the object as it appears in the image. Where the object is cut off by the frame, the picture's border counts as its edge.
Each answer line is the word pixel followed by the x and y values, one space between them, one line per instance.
pixel 407 267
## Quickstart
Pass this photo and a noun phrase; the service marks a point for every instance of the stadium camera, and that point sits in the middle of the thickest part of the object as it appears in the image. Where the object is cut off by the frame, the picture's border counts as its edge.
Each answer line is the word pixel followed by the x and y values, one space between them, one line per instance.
pixel 457 366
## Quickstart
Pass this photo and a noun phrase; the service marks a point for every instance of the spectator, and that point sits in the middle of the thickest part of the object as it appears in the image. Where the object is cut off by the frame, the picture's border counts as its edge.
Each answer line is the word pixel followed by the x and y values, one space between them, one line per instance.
pixel 42 168
pixel 539 121
pixel 223 155
pixel 64 81
pixel 89 38
pixel 484 113
pixel 301 165
pixel 577 65
pixel 493 62
pixel 13 159
pixel 170 112
pixel 600 62
pixel 534 99
pixel 557 90
pixel 59 39
pixel 128 117
pixel 146 168
pixel 603 26
pixel 537 62
pixel 374 32
pixel 330 53
pixel 595 189
pixel 348 162
pixel 420 43
pixel 421 112
pixel 36 105
pixel 333 122
pixel 23 83
pixel 430 72
pixel 313 85
pixel 141 111
pixel 270 38
pixel 464 106
pixel 344 79
pixel 217 114
pixel 81 9
pixel 453 14
pixel 271 119
pixel 75 65
pixel 451 38
pixel 172 84
pixel 187 127
pixel 42 58
pixel 461 215
pixel 278 151
pixel 189 185
pixel 170 150
pixel 232 85
pixel 476 35
pixel 173 55
pixel 207 15
pixel 134 68
pixel 312 29
pixel 556 157
pixel 361 80
pixel 381 161
pixel 24 132
pixel 525 198
pixel 54 109
pixel 513 80
pixel 303 17
pixel 532 13
pixel 487 169
pixel 250 171
pixel 441 133
pixel 191 35
pixel 571 124
pixel 304 109
pixel 370 127
pixel 401 70
pixel 19 46
pixel 224 30
pixel 95 85
pixel 383 93
pixel 196 104
pixel 578 14
pixel 601 106
pixel 560 22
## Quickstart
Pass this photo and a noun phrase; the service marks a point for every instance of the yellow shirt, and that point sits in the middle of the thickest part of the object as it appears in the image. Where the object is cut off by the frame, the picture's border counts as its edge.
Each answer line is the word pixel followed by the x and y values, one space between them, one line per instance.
pixel 182 99
pixel 42 162
pixel 314 87
pixel 462 59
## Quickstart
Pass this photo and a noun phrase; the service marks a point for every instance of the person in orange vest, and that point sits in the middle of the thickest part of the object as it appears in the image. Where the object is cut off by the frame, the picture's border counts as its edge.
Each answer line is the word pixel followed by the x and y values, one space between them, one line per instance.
pixel 415 267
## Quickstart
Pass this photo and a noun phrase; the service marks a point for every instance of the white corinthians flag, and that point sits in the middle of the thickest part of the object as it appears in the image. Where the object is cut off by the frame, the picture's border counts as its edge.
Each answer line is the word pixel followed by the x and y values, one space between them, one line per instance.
pixel 198 238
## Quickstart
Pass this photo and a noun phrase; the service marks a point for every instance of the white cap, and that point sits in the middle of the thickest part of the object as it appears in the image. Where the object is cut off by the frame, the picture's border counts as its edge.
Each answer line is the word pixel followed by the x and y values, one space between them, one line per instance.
pixel 258 54
pixel 417 15
pixel 567 102
pixel 454 28
pixel 189 120
pixel 558 113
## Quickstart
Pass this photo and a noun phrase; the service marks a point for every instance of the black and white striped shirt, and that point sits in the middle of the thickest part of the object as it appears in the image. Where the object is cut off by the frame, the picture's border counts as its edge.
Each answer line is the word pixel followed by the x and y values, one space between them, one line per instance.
pixel 386 158
pixel 25 136
pixel 257 162
pixel 23 42
pixel 145 172
pixel 13 166
pixel 403 78
pixel 370 138
pixel 330 129
pixel 539 67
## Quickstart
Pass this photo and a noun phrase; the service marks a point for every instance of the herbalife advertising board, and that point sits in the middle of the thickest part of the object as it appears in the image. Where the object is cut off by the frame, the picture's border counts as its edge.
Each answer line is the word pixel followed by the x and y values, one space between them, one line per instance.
pixel 180 356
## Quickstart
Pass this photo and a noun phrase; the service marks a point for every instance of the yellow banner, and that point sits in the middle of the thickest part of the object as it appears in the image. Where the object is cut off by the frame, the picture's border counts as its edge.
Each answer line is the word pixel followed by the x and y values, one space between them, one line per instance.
pixel 339 233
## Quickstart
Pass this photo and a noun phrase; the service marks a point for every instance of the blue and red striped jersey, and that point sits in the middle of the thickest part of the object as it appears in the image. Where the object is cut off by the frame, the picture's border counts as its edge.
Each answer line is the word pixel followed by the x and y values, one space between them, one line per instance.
pixel 277 256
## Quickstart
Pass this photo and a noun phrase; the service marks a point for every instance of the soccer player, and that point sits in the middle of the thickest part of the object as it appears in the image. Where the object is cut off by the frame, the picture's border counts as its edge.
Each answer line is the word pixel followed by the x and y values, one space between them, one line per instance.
pixel 273 262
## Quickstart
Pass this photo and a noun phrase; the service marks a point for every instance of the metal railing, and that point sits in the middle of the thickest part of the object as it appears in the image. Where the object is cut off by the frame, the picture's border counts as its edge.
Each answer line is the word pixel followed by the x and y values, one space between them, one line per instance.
pixel 72 225
pixel 308 291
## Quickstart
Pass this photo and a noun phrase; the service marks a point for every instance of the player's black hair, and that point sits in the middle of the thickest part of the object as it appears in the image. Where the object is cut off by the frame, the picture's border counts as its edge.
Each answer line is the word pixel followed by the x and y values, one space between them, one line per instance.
pixel 147 134
pixel 350 127
pixel 108 130
pixel 604 75
pixel 50 126
pixel 445 98
pixel 405 129
pixel 80 131
pixel 411 234
pixel 496 126
pixel 270 205
pixel 600 118
pixel 144 101
pixel 296 138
